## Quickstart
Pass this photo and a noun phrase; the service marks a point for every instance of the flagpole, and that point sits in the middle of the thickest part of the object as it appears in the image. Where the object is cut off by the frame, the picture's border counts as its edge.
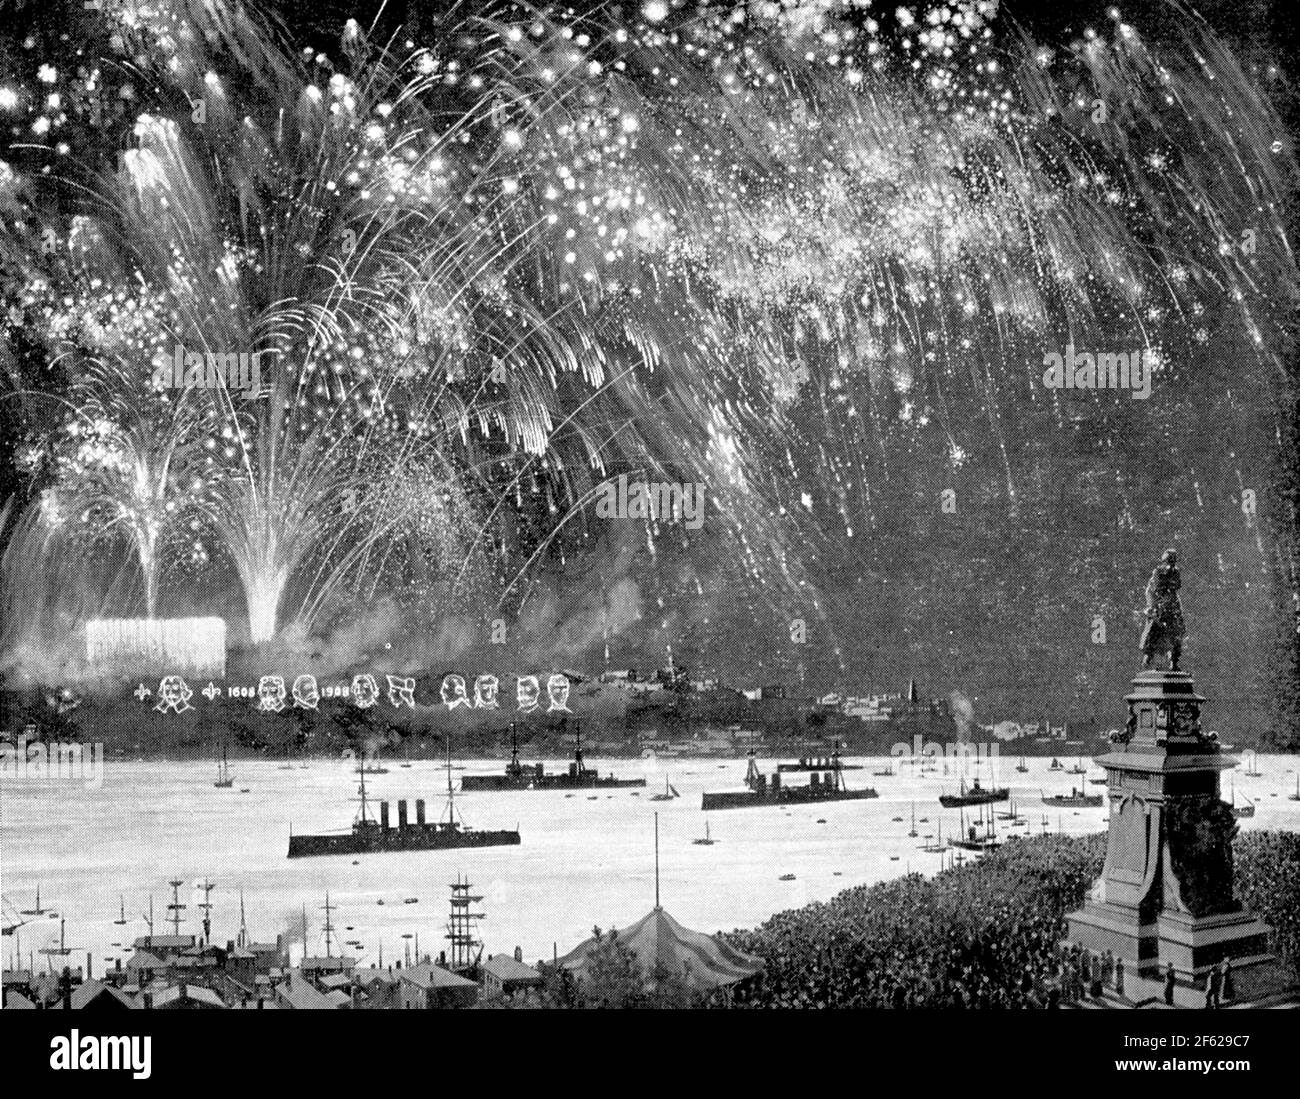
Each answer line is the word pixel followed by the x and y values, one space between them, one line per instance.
pixel 656 861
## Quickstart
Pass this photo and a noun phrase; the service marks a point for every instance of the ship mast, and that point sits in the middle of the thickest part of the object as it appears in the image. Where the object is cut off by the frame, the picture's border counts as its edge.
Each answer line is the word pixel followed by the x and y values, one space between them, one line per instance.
pixel 450 813
pixel 207 888
pixel 363 814
pixel 175 908
pixel 460 928
pixel 328 929
pixel 577 751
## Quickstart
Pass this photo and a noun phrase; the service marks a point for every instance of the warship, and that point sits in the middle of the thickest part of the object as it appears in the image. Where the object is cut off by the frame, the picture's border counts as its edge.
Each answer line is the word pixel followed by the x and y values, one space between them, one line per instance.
pixel 826 785
pixel 368 836
pixel 811 763
pixel 533 776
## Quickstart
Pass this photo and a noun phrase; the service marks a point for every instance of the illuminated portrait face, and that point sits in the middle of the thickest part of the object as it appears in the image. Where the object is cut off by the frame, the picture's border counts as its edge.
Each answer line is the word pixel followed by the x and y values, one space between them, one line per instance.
pixel 365 691
pixel 485 692
pixel 305 692
pixel 401 689
pixel 557 691
pixel 526 693
pixel 270 694
pixel 173 694
pixel 453 691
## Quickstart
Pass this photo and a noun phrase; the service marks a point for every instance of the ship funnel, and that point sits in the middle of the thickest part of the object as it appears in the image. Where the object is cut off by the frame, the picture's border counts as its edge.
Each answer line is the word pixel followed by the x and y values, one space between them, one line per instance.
pixel 401 813
pixel 419 811
pixel 383 815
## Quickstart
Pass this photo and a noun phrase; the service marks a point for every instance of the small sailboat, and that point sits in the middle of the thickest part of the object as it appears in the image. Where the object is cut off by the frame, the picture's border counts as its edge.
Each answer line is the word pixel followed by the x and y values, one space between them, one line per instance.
pixel 38 910
pixel 1296 795
pixel 1055 765
pixel 669 793
pixel 913 833
pixel 706 840
pixel 1253 770
pixel 1021 767
pixel 1247 810
pixel 121 918
pixel 224 780
pixel 1078 768
pixel 887 769
pixel 1012 814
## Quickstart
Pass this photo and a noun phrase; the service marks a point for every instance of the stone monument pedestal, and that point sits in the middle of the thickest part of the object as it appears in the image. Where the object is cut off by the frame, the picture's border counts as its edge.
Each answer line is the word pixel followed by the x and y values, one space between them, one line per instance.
pixel 1165 897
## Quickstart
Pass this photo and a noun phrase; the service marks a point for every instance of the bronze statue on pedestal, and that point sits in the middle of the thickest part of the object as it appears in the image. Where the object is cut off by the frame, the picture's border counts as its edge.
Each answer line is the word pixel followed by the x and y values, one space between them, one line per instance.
pixel 1164 628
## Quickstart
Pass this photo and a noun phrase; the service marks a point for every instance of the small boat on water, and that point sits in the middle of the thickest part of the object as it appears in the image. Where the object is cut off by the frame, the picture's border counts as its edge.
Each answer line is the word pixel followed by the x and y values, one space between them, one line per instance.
pixel 887 769
pixel 1021 767
pixel 1239 810
pixel 1099 780
pixel 1078 768
pixel 224 779
pixel 1296 795
pixel 1253 768
pixel 786 877
pixel 913 833
pixel 1012 814
pixel 669 792
pixel 1075 798
pixel 706 840
pixel 1055 765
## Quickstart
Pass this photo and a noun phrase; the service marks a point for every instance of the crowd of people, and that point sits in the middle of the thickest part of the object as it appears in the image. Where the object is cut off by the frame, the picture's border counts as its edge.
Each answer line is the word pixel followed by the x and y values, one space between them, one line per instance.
pixel 983 935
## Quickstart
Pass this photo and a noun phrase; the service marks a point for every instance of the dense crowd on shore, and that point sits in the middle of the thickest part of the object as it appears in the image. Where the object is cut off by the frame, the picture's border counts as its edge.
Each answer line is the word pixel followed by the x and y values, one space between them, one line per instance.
pixel 980 936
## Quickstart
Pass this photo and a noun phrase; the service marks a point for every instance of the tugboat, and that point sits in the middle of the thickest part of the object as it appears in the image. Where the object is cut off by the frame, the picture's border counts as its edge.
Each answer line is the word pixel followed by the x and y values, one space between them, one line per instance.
pixel 823 786
pixel 1075 799
pixel 368 835
pixel 976 795
pixel 519 776
pixel 974 840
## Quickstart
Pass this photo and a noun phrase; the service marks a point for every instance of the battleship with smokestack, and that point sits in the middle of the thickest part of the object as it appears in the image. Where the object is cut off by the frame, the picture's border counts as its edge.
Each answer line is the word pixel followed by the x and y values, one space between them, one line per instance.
pixel 368 836
pixel 533 776
pixel 827 785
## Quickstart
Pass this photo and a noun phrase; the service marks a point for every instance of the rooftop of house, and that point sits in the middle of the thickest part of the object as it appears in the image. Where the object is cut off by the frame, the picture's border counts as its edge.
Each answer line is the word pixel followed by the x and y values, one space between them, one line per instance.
pixel 427 975
pixel 335 965
pixel 91 990
pixel 163 942
pixel 505 968
pixel 298 993
pixel 194 993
